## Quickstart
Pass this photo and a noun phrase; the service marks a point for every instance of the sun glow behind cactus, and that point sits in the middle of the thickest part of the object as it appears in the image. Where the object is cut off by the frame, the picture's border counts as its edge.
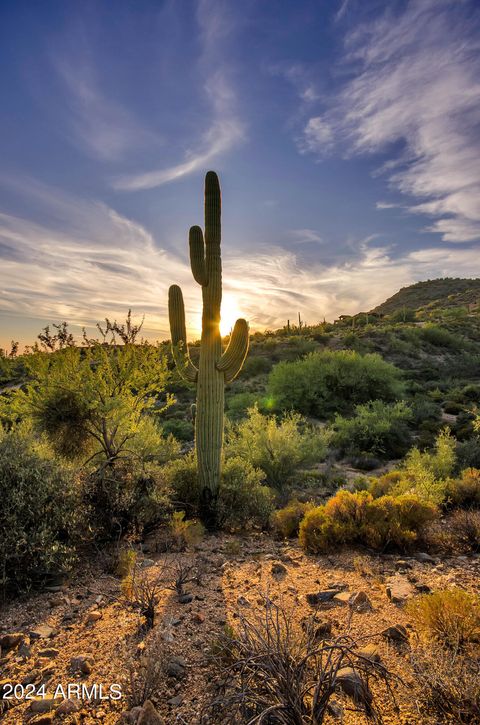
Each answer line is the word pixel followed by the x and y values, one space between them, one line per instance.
pixel 230 312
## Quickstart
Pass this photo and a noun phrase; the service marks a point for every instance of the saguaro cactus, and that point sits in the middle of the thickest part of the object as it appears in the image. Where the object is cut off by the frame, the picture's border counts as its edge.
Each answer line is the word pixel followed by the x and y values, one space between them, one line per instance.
pixel 215 368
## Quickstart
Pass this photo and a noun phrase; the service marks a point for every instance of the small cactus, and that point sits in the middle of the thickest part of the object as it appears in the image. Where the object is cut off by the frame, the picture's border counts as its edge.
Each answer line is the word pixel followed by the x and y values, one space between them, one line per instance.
pixel 215 367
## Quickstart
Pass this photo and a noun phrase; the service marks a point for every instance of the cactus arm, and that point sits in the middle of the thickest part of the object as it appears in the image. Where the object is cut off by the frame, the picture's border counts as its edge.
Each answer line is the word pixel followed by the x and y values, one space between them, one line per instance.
pixel 197 255
pixel 232 359
pixel 176 313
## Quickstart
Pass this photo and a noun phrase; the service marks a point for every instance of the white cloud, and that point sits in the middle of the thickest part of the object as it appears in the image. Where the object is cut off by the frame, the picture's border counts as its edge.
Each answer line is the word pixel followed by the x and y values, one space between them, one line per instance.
pixel 416 83
pixel 305 236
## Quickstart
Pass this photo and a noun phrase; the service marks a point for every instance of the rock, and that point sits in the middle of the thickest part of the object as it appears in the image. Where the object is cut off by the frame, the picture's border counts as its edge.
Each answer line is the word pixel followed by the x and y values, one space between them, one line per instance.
pixel 350 682
pixel 243 601
pixel 399 590
pixel 199 618
pixel 360 602
pixel 342 597
pixel 396 633
pixel 50 652
pixel 68 706
pixel 423 588
pixel 176 667
pixel 44 704
pixel 94 616
pixel 145 564
pixel 132 715
pixel 24 651
pixel 56 600
pixel 185 599
pixel 279 570
pixel 32 676
pixel 82 663
pixel 402 564
pixel 149 716
pixel 44 631
pixel 370 652
pixel 424 558
pixel 317 598
pixel 175 701
pixel 10 641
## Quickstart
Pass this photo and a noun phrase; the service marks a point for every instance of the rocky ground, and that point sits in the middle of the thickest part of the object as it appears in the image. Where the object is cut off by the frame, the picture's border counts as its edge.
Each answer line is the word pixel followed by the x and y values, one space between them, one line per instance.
pixel 87 634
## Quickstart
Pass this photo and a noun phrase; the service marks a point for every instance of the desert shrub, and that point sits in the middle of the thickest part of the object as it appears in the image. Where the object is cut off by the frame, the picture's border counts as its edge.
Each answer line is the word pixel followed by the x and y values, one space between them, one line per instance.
pixel 180 429
pixel 465 529
pixel 384 484
pixel 358 518
pixel 451 617
pixel 377 428
pixel 286 521
pixel 468 453
pixel 424 408
pixel 440 337
pixel 127 496
pixel 327 382
pixel 426 473
pixel 183 532
pixel 256 365
pixel 243 499
pixel 273 670
pixel 40 515
pixel 464 491
pixel 180 477
pixel 237 405
pixel 278 448
pixel 449 684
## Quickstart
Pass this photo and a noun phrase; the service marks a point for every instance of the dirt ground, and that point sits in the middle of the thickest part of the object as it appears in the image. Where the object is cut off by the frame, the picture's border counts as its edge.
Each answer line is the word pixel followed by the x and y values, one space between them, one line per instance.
pixel 89 618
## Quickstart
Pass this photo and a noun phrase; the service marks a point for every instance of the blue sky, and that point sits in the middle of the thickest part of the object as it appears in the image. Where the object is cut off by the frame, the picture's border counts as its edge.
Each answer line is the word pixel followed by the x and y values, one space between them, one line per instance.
pixel 346 134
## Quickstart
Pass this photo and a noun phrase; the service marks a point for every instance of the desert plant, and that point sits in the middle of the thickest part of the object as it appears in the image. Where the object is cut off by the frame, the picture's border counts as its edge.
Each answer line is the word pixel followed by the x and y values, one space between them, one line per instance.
pixel 358 518
pixel 451 617
pixel 146 675
pixel 214 368
pixel 465 528
pixel 426 473
pixel 464 491
pixel 243 497
pixel 449 684
pixel 40 514
pixel 377 428
pixel 328 382
pixel 183 533
pixel 277 447
pixel 286 521
pixel 274 670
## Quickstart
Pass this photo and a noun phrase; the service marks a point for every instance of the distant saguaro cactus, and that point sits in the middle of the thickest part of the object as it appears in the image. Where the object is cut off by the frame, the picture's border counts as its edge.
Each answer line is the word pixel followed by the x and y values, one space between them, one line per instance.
pixel 215 368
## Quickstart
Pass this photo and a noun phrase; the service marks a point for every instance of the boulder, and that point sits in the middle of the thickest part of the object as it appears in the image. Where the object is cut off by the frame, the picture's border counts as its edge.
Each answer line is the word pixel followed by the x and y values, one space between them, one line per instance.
pixel 82 663
pixel 396 633
pixel 44 631
pixel 10 641
pixel 399 589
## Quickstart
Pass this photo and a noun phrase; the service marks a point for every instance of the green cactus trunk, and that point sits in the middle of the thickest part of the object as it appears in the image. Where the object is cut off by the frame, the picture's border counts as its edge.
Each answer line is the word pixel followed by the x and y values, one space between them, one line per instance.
pixel 215 368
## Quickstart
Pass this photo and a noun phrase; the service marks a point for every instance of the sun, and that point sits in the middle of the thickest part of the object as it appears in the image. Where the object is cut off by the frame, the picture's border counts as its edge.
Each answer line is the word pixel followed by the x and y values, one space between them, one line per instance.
pixel 229 314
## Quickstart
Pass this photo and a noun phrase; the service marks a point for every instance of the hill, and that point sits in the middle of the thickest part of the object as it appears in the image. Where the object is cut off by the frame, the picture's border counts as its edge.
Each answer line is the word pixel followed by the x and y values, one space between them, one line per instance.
pixel 434 293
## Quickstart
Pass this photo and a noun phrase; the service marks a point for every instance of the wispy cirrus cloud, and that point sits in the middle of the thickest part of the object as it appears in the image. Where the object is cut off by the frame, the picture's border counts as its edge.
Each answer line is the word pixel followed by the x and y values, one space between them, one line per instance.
pixel 225 129
pixel 415 83
pixel 105 128
pixel 86 261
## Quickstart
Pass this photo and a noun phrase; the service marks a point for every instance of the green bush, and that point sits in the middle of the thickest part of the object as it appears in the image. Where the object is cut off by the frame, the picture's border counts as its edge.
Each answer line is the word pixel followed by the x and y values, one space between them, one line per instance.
pixel 451 617
pixel 426 473
pixel 468 453
pixel 256 365
pixel 358 518
pixel 237 405
pixel 385 484
pixel 243 499
pixel 180 477
pixel 127 496
pixel 440 337
pixel 327 382
pixel 182 430
pixel 286 521
pixel 278 448
pixel 377 428
pixel 464 492
pixel 40 512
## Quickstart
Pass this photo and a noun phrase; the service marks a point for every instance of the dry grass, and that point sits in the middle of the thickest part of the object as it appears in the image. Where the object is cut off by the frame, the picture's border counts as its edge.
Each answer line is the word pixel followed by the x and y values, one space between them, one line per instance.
pixel 451 617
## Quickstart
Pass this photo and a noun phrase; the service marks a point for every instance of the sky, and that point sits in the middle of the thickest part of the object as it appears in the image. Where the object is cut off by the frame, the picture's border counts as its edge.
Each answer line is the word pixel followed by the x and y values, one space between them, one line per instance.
pixel 346 135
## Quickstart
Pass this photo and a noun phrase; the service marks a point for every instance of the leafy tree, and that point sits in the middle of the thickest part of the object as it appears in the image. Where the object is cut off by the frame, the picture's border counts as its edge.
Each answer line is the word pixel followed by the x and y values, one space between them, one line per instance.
pixel 95 400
